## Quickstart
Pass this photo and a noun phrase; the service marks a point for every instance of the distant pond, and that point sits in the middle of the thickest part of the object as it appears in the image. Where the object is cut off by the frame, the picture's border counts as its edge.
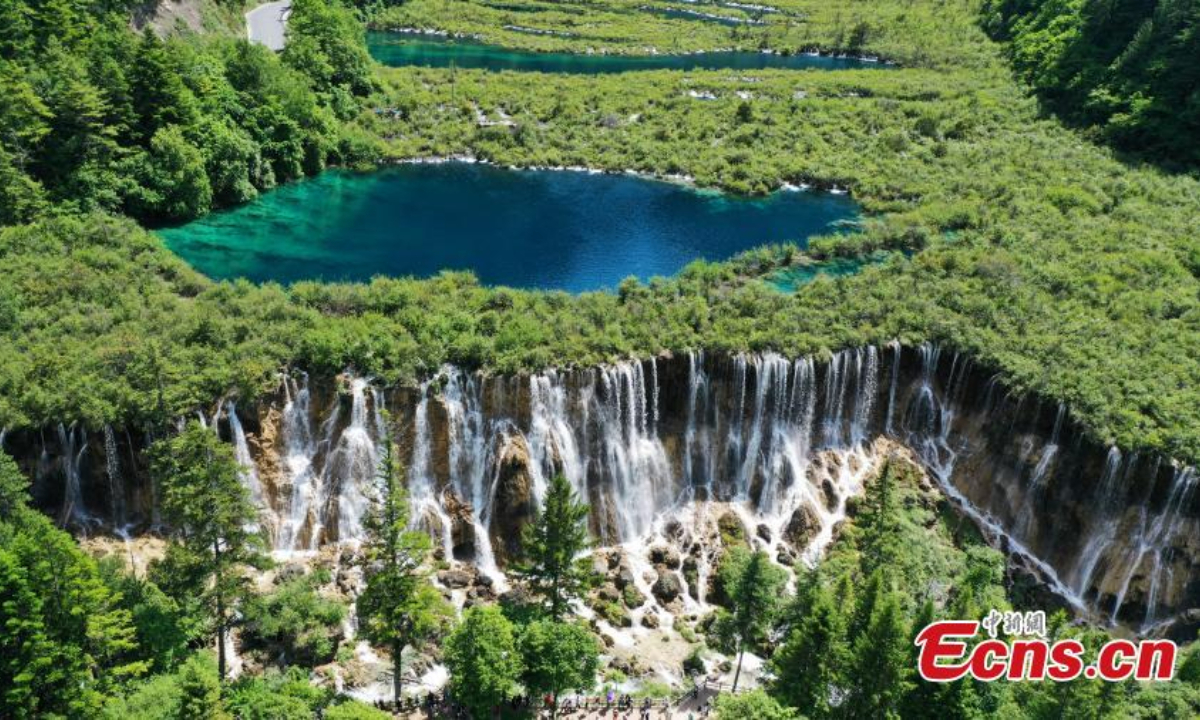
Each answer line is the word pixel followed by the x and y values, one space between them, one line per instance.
pixel 565 230
pixel 404 49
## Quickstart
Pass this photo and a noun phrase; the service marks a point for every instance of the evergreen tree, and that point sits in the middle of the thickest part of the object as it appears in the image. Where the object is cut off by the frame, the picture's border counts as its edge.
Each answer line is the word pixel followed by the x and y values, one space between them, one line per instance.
pixel 926 699
pixel 558 656
pixel 754 586
pixel 399 608
pixel 212 521
pixel 483 661
pixel 551 544
pixel 64 639
pixel 809 667
pixel 158 95
pixel 860 616
pixel 880 541
pixel 882 664
pixel 200 690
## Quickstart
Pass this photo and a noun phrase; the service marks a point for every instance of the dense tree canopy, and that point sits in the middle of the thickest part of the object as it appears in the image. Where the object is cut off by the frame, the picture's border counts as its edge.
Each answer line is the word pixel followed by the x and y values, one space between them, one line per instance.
pixel 1126 69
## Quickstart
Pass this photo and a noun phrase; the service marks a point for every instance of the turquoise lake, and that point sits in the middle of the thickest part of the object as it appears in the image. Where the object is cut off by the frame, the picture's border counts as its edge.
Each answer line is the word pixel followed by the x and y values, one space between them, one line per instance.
pixel 401 50
pixel 572 231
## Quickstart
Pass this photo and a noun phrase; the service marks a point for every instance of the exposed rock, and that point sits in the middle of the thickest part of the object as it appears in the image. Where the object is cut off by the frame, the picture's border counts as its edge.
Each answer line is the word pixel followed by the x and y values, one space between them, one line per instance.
pixel 829 494
pixel 454 579
pixel 650 620
pixel 514 505
pixel 667 588
pixel 462 524
pixel 625 577
pixel 763 532
pixel 803 527
pixel 665 555
pixel 289 572
pixel 608 593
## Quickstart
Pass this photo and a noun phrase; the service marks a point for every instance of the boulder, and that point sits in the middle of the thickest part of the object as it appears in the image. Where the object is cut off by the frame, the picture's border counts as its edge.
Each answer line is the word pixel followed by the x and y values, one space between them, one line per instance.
pixel 454 579
pixel 608 593
pixel 667 587
pixel 665 555
pixel 632 597
pixel 803 527
pixel 829 494
pixel 650 620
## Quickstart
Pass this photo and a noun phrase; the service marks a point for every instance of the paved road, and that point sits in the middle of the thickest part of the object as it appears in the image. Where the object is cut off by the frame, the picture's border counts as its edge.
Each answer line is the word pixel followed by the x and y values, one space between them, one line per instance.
pixel 265 24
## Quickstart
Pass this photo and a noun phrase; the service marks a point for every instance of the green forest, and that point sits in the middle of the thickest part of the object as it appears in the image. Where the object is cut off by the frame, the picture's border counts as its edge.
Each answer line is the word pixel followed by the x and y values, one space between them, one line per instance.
pixel 1126 71
pixel 1027 172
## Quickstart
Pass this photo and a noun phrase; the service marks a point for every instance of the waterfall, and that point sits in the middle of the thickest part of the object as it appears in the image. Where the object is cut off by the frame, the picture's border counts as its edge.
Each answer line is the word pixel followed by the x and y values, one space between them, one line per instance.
pixel 352 466
pixel 422 494
pixel 247 470
pixel 116 483
pixel 1156 533
pixel 894 346
pixel 782 443
pixel 73 444
pixel 633 460
pixel 1049 451
pixel 697 442
pixel 299 449
pixel 1102 530
pixel 866 364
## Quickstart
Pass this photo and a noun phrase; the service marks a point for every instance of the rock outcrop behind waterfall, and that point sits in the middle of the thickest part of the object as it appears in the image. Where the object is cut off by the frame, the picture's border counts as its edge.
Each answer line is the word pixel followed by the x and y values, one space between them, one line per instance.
pixel 785 441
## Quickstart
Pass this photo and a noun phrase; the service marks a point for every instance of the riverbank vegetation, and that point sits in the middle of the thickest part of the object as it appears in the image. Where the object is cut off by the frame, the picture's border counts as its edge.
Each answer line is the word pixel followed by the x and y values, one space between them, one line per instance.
pixel 929 35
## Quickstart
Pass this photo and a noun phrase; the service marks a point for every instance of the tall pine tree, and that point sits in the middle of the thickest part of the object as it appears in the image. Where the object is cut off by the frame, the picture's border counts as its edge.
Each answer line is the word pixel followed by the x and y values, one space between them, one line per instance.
pixel 399 608
pixel 551 545
pixel 213 523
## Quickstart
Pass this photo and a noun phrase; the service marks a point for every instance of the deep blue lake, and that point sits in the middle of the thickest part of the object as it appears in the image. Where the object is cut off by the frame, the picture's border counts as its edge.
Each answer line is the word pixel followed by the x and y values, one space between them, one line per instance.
pixel 524 228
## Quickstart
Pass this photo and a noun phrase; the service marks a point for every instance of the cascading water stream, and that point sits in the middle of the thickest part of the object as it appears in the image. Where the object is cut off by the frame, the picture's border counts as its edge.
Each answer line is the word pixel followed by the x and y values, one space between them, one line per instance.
pixel 781 443
pixel 116 482
pixel 74 444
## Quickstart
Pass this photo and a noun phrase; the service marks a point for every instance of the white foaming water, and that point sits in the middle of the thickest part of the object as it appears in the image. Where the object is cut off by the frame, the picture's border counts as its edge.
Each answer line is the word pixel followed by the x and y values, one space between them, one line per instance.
pixel 247 470
pixel 760 435
pixel 116 482
pixel 73 443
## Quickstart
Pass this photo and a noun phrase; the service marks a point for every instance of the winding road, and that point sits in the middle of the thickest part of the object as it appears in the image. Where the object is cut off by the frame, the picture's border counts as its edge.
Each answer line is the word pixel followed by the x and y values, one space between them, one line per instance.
pixel 266 23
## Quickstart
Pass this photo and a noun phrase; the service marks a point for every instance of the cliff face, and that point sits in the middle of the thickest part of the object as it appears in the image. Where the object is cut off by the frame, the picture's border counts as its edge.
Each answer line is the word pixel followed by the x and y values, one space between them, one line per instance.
pixel 785 442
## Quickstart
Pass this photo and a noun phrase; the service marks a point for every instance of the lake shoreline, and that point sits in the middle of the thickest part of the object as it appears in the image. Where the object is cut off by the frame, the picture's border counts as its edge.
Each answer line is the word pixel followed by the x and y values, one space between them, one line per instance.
pixel 684 180
pixel 648 52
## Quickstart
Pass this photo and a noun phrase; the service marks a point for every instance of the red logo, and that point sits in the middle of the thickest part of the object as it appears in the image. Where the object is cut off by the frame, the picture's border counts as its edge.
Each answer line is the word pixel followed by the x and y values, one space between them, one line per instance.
pixel 947 654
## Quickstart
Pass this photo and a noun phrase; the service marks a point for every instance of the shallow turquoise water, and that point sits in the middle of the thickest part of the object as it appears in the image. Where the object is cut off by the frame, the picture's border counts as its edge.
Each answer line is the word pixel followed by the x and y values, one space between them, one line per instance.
pixel 524 228
pixel 793 278
pixel 400 50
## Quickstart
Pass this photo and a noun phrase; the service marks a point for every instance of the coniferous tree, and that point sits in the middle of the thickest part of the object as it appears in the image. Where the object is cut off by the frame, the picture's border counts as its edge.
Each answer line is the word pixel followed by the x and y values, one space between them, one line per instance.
pixel 754 586
pixel 399 608
pixel 809 667
pixel 880 542
pixel 882 666
pixel 212 521
pixel 551 544
pixel 64 640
